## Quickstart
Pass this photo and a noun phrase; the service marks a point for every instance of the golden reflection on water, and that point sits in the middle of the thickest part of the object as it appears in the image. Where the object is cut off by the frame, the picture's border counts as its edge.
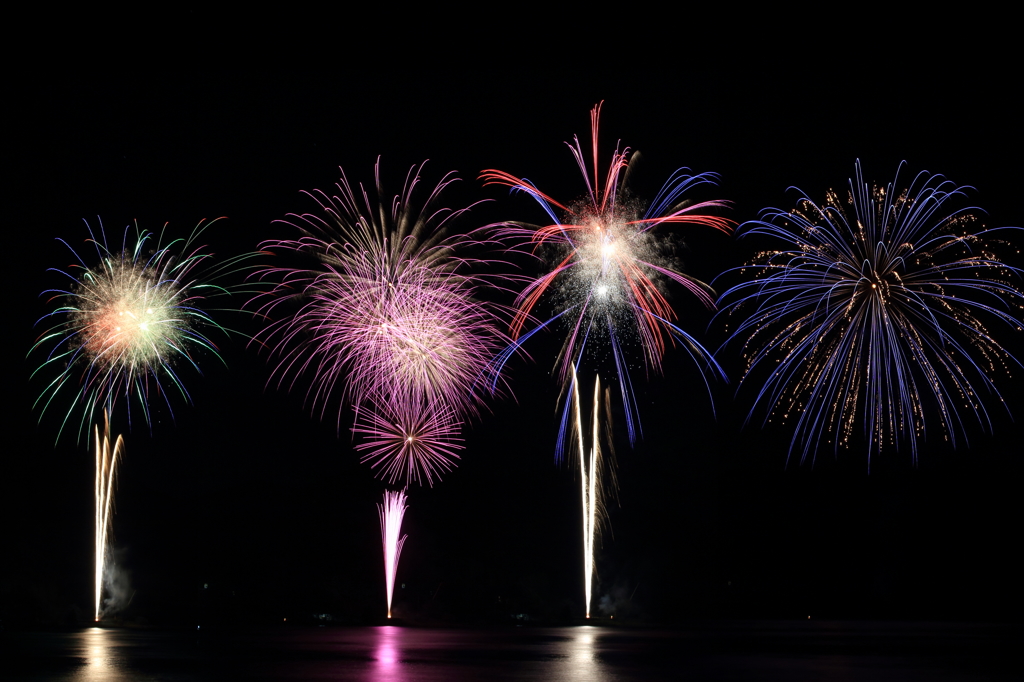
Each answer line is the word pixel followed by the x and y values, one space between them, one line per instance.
pixel 579 660
pixel 102 658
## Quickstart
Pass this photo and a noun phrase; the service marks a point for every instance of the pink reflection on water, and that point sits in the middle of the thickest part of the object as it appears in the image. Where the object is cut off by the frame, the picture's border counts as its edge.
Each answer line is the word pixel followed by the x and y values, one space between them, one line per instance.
pixel 387 664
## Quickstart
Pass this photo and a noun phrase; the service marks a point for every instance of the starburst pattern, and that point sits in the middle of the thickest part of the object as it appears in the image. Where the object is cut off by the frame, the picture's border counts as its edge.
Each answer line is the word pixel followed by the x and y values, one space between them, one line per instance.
pixel 409 442
pixel 126 323
pixel 387 320
pixel 876 313
pixel 609 266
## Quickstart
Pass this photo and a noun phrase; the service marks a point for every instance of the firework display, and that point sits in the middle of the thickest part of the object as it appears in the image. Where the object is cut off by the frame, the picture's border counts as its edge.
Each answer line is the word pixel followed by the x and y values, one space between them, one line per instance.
pixel 610 266
pixel 126 324
pixel 876 316
pixel 873 323
pixel 388 320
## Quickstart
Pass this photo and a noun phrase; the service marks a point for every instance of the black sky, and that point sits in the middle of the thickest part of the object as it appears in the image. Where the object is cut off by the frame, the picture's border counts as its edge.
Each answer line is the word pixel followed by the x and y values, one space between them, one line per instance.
pixel 247 491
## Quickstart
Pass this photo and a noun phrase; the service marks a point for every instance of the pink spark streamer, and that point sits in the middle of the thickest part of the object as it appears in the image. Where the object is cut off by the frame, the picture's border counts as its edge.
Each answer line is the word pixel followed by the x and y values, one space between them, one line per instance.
pixel 391 514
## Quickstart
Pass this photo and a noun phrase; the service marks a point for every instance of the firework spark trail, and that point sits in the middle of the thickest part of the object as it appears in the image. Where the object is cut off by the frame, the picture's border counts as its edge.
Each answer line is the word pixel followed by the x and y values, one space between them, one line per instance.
pixel 106 468
pixel 125 323
pixel 387 320
pixel 593 468
pixel 874 310
pixel 610 266
pixel 391 514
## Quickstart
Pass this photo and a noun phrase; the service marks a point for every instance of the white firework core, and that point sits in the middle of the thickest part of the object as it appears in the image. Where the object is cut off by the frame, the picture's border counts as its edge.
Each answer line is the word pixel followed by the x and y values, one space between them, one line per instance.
pixel 128 318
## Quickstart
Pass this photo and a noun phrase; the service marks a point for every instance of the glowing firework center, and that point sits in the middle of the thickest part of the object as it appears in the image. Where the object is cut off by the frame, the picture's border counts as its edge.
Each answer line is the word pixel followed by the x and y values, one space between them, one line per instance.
pixel 601 248
pixel 611 253
pixel 127 317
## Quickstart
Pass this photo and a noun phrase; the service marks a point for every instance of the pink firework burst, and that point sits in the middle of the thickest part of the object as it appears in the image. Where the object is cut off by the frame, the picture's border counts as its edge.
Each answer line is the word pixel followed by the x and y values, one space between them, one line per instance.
pixel 387 318
pixel 418 336
pixel 407 441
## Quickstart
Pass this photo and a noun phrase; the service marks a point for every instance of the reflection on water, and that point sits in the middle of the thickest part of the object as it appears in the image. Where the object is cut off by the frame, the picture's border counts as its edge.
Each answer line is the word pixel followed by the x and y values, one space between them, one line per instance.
pixel 558 654
pixel 578 659
pixel 386 656
pixel 103 658
pixel 737 651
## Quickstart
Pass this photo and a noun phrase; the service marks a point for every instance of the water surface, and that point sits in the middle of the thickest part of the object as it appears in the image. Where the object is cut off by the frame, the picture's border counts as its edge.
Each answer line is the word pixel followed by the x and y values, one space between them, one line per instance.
pixel 734 651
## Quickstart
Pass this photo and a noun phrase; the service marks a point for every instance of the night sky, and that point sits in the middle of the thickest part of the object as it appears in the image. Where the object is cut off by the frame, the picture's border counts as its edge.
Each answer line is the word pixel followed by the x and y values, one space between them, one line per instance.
pixel 249 493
